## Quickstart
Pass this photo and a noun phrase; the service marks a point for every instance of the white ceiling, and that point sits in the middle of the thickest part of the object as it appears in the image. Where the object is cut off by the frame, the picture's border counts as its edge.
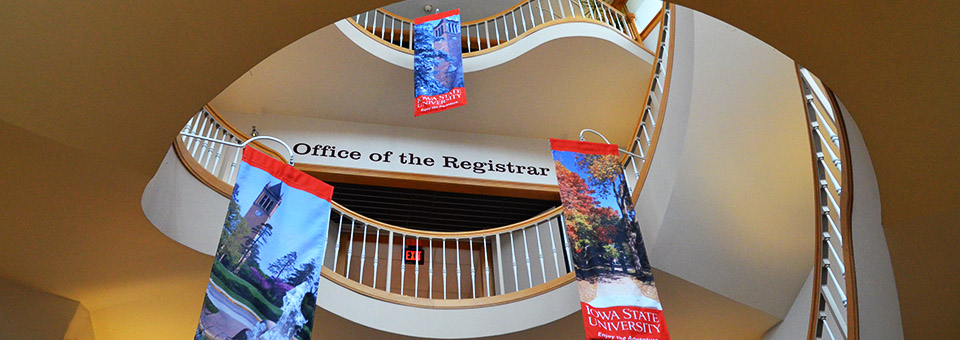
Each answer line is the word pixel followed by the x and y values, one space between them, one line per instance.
pixel 552 91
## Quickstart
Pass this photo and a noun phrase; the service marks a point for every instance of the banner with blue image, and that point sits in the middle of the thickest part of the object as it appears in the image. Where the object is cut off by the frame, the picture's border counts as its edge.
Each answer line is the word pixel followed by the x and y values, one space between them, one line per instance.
pixel 266 269
pixel 438 63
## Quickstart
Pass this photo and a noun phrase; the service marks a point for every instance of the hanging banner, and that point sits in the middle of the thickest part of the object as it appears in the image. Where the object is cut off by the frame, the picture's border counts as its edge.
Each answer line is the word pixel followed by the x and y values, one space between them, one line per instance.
pixel 437 63
pixel 267 267
pixel 618 298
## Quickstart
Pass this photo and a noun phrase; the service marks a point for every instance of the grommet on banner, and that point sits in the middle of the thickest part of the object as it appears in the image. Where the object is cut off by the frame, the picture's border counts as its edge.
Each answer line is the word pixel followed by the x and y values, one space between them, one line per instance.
pixel 244 144
pixel 606 141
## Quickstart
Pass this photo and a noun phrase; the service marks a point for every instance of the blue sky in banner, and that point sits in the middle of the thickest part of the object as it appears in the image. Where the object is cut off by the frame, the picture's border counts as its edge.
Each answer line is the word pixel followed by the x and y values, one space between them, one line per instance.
pixel 299 223
pixel 569 160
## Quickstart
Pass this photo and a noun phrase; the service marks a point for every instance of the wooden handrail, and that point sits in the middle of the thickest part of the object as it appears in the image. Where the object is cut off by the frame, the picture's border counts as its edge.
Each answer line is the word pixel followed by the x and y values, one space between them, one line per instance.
pixel 496 43
pixel 479 302
pixel 543 26
pixel 846 225
pixel 845 222
pixel 667 75
pixel 651 25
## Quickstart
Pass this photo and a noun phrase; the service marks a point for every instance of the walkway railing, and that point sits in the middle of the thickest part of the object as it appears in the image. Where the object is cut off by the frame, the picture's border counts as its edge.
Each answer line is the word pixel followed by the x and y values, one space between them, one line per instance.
pixel 834 308
pixel 404 265
pixel 448 266
pixel 499 29
pixel 648 128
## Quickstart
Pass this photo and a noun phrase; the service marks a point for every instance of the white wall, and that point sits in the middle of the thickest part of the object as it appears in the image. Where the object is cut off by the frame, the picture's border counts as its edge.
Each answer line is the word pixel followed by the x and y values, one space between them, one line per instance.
pixel 182 207
pixel 797 322
pixel 728 201
pixel 369 139
pixel 876 285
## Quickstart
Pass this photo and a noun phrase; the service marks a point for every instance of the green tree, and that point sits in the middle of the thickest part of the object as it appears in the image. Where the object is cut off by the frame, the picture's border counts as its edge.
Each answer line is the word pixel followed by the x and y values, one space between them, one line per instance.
pixel 305 272
pixel 283 264
pixel 235 230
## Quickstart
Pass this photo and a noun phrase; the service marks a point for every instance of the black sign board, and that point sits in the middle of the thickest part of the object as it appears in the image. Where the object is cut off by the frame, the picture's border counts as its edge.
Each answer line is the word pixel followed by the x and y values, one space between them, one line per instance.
pixel 413 255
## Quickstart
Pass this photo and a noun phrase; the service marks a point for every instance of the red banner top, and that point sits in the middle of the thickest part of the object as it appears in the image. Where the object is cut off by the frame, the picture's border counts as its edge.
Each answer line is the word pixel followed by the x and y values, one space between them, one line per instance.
pixel 584 147
pixel 288 174
pixel 437 16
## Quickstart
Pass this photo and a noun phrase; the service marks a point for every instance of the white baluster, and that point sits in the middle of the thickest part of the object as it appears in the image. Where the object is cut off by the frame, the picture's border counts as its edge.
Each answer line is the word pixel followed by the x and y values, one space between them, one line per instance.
pixel 336 252
pixel 376 256
pixel 526 257
pixel 553 245
pixel 416 271
pixel 500 267
pixel 486 266
pixel 444 269
pixel 403 263
pixel 389 260
pixel 543 268
pixel 363 252
pixel 350 248
pixel 473 272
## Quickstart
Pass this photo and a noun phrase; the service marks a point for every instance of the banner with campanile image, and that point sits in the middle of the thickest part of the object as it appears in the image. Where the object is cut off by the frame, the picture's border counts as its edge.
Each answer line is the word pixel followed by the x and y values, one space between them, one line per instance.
pixel 266 269
pixel 618 297
pixel 438 63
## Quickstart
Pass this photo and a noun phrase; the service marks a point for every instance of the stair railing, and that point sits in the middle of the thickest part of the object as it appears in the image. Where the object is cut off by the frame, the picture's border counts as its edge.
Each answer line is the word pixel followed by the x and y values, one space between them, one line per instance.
pixel 834 312
pixel 499 29
pixel 644 143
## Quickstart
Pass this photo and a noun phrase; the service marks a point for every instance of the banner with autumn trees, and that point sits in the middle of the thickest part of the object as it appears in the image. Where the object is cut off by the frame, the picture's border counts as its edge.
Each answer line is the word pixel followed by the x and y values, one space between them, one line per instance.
pixel 618 296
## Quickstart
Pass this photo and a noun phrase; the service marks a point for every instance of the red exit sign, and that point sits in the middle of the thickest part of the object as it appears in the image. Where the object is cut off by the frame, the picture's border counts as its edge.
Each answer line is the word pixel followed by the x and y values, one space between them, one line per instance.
pixel 413 255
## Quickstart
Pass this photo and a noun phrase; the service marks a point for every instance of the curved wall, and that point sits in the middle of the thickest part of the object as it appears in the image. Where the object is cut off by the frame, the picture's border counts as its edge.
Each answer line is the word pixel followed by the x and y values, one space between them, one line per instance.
pixel 877 298
pixel 727 202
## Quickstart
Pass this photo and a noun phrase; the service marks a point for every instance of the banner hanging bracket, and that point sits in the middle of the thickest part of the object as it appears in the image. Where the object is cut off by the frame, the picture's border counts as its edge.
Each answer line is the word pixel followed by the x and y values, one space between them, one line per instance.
pixel 606 141
pixel 244 144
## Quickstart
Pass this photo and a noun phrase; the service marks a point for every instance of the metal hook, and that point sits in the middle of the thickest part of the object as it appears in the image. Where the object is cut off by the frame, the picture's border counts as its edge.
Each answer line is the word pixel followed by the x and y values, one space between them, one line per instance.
pixel 606 140
pixel 275 139
pixel 244 144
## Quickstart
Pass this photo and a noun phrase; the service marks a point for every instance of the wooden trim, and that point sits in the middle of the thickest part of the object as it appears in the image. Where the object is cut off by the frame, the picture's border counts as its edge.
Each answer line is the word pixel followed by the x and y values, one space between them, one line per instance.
pixel 501 43
pixel 446 304
pixel 503 12
pixel 818 248
pixel 551 23
pixel 655 137
pixel 243 136
pixel 651 25
pixel 846 223
pixel 431 182
pixel 632 24
pixel 401 18
pixel 378 39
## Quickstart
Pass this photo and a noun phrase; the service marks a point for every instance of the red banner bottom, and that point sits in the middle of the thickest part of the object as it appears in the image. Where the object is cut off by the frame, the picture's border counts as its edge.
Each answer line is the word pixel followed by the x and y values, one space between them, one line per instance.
pixel 432 104
pixel 623 323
